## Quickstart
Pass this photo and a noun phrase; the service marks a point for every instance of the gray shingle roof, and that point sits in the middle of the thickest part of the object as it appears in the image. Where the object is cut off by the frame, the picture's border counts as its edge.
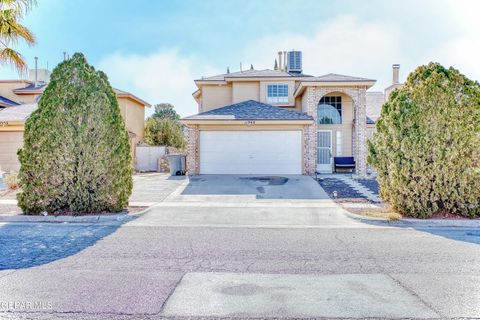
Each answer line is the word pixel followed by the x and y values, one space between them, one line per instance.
pixel 333 77
pixel 17 113
pixel 250 110
pixel 266 73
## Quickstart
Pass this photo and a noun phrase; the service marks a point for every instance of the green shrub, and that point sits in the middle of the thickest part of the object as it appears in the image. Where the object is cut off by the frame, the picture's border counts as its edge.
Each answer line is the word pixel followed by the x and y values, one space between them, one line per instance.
pixel 76 155
pixel 427 146
pixel 11 180
pixel 165 111
pixel 164 132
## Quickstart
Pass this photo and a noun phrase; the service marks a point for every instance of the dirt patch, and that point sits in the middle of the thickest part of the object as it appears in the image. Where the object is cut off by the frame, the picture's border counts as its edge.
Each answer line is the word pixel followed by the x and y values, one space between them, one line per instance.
pixel 351 200
pixel 383 213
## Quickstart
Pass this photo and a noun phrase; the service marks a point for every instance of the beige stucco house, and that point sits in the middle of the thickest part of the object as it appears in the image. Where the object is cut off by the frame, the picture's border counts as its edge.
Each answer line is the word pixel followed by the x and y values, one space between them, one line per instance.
pixel 18 99
pixel 279 121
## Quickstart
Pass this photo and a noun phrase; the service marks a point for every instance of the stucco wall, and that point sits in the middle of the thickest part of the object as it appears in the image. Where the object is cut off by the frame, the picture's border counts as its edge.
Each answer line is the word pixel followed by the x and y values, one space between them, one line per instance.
pixel 291 88
pixel 242 91
pixel 133 114
pixel 215 96
pixel 10 142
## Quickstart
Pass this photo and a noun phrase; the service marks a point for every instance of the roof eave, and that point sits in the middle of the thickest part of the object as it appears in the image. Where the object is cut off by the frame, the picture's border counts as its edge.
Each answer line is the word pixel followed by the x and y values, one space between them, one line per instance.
pixel 12 122
pixel 134 98
pixel 360 83
pixel 20 92
pixel 197 93
pixel 186 121
pixel 203 81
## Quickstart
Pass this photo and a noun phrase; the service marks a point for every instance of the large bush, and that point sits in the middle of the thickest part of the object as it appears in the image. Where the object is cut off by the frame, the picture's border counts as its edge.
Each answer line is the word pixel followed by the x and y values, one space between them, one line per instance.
pixel 76 155
pixel 427 146
pixel 164 132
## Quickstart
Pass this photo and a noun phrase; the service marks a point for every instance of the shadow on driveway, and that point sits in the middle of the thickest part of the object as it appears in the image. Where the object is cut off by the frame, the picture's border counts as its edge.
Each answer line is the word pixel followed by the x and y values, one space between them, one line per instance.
pixel 262 187
pixel 25 245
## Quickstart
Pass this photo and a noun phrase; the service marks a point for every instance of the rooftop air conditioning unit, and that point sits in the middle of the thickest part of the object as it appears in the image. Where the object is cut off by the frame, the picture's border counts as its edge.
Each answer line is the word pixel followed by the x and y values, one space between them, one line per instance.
pixel 294 61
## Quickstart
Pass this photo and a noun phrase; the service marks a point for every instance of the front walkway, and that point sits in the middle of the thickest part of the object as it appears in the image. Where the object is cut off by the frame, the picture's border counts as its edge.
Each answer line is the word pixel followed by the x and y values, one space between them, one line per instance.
pixel 343 186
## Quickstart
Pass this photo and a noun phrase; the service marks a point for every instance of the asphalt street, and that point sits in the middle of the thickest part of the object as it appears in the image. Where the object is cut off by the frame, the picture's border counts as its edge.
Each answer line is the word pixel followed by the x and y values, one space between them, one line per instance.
pixel 242 249
pixel 130 271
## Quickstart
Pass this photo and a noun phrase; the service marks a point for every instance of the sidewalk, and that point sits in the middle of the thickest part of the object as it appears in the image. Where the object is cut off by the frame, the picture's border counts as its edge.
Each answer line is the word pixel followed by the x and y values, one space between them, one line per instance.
pixel 148 190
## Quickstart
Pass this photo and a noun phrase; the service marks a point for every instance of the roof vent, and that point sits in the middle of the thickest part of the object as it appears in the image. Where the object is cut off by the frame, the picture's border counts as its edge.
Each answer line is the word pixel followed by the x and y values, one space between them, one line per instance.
pixel 294 61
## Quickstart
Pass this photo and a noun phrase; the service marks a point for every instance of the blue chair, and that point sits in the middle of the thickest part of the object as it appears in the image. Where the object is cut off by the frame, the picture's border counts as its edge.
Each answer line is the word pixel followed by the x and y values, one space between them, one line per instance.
pixel 344 163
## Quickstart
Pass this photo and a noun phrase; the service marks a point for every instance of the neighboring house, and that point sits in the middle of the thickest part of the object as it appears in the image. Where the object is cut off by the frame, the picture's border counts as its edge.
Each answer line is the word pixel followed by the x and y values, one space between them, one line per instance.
pixel 375 101
pixel 277 121
pixel 18 99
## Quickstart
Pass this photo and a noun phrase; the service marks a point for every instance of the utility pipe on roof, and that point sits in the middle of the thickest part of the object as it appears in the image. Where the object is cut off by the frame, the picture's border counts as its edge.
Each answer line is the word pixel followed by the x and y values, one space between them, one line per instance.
pixel 280 65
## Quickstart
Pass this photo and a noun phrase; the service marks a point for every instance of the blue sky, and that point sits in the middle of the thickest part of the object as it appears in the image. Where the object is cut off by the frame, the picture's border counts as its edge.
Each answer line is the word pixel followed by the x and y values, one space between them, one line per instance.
pixel 156 48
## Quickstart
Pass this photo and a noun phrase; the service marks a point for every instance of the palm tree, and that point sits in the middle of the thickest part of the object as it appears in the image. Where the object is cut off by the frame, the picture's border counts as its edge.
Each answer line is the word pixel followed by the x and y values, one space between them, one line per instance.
pixel 11 31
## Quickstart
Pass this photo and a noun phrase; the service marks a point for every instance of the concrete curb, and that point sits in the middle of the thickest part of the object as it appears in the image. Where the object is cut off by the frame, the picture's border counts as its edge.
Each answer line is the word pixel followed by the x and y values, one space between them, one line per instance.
pixel 100 219
pixel 416 223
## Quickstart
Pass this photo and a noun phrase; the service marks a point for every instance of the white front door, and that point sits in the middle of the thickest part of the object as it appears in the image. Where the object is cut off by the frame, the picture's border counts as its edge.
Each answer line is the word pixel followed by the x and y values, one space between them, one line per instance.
pixel 250 152
pixel 324 151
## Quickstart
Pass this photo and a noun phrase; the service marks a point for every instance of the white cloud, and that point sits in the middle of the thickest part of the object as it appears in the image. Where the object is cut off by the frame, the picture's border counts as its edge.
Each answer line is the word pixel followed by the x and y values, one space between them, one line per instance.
pixel 345 44
pixel 164 76
pixel 461 50
pixel 342 45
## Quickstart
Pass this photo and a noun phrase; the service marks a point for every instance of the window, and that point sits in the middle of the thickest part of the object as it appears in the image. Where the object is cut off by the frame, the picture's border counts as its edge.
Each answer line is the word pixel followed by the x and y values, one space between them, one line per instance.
pixel 277 93
pixel 339 144
pixel 329 110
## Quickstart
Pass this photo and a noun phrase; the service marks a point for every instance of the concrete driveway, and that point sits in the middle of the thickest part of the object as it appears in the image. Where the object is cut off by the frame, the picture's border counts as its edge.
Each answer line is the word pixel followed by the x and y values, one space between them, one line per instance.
pixel 290 201
pixel 249 188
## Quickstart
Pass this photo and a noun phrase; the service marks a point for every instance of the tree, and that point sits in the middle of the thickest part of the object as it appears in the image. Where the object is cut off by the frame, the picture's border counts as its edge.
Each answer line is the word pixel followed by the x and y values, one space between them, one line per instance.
pixel 76 154
pixel 427 146
pixel 11 31
pixel 164 132
pixel 165 111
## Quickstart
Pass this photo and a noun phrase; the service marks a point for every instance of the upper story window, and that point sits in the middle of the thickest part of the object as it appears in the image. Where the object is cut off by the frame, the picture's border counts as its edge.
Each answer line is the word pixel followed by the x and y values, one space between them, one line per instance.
pixel 329 110
pixel 277 93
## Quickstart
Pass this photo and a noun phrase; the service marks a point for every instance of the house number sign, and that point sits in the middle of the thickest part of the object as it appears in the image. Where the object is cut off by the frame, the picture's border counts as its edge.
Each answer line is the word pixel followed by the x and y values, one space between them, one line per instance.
pixel 250 122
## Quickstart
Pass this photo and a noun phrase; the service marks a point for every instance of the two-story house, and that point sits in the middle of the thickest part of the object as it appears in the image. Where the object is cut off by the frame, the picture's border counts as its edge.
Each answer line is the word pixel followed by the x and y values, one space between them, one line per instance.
pixel 277 121
pixel 18 99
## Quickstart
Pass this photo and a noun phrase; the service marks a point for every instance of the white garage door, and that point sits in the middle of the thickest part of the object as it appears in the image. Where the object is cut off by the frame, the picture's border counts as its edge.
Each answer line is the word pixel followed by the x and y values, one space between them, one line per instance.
pixel 250 152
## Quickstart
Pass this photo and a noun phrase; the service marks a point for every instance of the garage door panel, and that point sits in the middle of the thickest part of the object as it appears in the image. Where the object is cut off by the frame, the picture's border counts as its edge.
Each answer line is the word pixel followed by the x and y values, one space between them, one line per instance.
pixel 250 152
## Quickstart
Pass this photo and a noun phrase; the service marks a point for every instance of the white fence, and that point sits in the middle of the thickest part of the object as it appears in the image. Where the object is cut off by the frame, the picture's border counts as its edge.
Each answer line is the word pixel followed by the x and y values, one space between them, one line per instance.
pixel 147 157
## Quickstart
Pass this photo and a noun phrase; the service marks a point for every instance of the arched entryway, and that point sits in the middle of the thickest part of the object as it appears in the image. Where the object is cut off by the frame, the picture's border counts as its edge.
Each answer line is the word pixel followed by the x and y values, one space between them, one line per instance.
pixel 340 126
